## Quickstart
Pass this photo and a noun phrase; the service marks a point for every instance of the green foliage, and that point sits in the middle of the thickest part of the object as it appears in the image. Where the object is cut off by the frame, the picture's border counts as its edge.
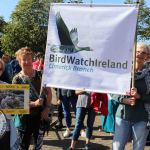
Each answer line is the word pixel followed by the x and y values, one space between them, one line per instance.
pixel 143 28
pixel 144 22
pixel 2 24
pixel 129 2
pixel 28 26
pixel 56 1
pixel 75 1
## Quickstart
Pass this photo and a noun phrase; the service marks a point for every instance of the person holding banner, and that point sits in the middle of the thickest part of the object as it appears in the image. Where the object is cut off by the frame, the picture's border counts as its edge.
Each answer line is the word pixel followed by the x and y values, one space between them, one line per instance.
pixel 88 103
pixel 131 116
pixel 30 124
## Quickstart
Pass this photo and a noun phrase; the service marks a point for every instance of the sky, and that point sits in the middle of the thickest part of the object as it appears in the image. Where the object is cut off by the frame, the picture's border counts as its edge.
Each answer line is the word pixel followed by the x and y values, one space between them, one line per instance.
pixel 7 6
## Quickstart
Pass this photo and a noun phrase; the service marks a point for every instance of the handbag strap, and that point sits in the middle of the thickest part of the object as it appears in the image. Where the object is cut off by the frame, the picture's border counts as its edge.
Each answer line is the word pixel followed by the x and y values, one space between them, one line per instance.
pixel 35 91
pixel 25 80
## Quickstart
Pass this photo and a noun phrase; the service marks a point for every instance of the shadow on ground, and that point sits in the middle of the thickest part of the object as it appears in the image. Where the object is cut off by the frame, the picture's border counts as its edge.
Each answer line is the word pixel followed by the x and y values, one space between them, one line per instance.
pixel 103 137
pixel 65 143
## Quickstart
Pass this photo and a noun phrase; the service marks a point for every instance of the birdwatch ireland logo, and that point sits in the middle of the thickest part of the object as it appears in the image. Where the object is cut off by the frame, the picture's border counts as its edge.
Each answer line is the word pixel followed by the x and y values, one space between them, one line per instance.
pixel 68 39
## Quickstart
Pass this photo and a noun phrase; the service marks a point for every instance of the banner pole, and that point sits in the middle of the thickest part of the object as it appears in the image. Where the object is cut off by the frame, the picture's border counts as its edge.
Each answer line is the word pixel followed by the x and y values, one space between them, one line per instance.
pixel 134 49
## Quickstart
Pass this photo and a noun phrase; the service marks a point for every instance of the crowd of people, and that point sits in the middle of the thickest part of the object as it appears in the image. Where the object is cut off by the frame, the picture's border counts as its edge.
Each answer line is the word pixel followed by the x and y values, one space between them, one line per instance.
pixel 125 116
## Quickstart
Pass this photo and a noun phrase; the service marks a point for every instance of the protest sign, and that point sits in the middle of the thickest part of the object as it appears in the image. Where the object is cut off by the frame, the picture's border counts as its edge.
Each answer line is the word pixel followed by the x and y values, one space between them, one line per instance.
pixel 14 98
pixel 90 48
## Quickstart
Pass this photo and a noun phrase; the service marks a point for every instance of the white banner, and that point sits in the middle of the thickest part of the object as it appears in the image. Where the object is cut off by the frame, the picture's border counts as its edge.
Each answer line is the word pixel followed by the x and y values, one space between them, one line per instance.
pixel 90 47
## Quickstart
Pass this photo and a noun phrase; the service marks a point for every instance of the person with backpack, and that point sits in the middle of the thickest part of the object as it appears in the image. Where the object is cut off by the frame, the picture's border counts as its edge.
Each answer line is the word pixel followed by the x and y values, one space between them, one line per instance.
pixel 133 110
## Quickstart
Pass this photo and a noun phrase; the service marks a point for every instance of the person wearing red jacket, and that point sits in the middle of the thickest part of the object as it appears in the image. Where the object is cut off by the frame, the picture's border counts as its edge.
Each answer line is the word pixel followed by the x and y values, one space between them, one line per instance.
pixel 96 98
pixel 39 63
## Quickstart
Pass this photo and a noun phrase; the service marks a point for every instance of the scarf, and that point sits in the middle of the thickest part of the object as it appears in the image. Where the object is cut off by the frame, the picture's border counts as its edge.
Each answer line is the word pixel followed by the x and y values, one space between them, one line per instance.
pixel 144 74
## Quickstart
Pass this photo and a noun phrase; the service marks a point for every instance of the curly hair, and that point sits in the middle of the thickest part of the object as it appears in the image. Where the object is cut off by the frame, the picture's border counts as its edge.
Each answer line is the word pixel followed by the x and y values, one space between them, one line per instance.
pixel 24 51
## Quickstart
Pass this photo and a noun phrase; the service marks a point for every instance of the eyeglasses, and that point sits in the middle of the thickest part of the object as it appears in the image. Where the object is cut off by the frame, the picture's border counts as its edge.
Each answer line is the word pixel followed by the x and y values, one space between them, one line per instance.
pixel 140 52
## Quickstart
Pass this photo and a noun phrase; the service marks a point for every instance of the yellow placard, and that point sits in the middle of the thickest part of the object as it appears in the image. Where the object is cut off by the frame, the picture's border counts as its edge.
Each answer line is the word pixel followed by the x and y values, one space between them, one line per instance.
pixel 14 98
pixel 14 86
pixel 16 111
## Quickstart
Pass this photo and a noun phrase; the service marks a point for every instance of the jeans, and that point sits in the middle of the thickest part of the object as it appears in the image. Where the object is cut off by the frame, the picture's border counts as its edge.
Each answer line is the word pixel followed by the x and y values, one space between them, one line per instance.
pixel 125 129
pixel 80 115
pixel 66 108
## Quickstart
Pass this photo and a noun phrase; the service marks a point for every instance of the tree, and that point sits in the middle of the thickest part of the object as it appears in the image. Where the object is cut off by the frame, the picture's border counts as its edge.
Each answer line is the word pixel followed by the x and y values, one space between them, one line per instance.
pixel 57 1
pixel 2 24
pixel 28 26
pixel 75 1
pixel 143 28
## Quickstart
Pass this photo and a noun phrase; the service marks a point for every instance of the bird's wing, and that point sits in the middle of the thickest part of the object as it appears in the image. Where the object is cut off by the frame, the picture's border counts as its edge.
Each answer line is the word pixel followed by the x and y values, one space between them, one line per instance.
pixel 74 36
pixel 63 31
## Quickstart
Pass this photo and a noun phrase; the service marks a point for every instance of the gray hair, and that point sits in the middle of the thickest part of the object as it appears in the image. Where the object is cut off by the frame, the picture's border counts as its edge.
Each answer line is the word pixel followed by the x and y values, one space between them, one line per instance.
pixel 144 46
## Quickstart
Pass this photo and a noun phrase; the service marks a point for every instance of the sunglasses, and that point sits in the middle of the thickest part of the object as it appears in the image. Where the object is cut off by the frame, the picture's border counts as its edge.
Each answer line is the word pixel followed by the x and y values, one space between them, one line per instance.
pixel 143 53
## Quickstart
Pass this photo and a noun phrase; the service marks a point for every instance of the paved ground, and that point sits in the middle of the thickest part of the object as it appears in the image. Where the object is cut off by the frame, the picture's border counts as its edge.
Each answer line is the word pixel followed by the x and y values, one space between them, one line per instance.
pixel 101 140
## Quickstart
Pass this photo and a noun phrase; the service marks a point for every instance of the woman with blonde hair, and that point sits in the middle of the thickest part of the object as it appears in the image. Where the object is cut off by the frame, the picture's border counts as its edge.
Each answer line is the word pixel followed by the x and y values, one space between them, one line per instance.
pixel 29 124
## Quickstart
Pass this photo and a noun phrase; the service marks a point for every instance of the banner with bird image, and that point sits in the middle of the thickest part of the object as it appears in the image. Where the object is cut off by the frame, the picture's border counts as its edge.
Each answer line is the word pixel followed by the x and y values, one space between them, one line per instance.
pixel 90 47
